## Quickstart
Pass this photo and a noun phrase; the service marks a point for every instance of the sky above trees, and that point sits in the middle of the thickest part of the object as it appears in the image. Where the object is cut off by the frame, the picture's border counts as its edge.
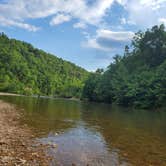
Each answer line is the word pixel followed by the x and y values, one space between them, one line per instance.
pixel 86 32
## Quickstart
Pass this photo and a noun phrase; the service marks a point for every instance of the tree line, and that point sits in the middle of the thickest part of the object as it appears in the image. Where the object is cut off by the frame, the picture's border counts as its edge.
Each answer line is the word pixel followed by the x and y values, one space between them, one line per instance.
pixel 27 70
pixel 138 78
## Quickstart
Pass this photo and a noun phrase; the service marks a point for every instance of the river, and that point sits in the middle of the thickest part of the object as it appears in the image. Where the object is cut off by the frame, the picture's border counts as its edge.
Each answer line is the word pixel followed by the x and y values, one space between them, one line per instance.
pixel 95 134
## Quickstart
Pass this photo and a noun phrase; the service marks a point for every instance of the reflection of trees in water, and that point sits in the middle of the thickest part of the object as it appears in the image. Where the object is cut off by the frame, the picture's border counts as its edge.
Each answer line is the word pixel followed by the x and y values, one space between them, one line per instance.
pixel 47 115
pixel 140 135
pixel 53 116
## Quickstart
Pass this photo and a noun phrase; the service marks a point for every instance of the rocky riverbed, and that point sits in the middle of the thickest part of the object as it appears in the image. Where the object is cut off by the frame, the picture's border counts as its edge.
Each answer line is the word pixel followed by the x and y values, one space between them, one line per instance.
pixel 17 142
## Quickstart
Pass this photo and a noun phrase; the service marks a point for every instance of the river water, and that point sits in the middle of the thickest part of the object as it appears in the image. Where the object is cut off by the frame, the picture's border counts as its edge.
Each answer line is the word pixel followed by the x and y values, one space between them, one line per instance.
pixel 94 134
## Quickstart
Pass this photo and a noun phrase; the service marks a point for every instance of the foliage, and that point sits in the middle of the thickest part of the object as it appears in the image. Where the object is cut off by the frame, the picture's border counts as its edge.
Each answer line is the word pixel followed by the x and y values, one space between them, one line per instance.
pixel 138 78
pixel 27 70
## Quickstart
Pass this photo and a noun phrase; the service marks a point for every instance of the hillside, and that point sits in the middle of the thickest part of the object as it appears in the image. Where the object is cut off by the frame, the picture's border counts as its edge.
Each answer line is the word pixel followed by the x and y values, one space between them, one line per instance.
pixel 27 70
pixel 138 78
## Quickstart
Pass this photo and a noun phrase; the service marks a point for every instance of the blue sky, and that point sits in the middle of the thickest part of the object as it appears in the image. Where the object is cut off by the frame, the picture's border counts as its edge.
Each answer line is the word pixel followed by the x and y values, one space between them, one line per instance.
pixel 86 32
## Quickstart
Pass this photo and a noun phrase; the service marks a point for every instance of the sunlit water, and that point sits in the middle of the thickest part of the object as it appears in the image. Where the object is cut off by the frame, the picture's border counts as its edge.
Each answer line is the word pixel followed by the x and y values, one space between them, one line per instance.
pixel 95 134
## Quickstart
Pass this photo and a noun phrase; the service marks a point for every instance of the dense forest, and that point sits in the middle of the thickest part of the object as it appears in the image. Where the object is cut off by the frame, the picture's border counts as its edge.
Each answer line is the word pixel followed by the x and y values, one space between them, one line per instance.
pixel 138 78
pixel 27 70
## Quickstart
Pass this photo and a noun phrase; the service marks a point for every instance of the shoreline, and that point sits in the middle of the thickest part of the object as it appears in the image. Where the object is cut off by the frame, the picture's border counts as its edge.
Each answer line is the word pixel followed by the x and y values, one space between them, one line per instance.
pixel 17 142
pixel 35 96
pixel 9 94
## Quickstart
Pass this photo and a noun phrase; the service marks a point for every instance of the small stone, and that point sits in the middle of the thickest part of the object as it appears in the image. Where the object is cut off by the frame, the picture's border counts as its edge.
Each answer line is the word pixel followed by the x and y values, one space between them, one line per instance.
pixel 54 145
pixel 22 161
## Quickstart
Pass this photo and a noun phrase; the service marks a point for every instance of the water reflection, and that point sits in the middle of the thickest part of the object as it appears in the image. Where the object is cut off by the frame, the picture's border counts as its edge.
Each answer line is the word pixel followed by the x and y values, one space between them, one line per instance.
pixel 96 134
pixel 140 135
pixel 82 146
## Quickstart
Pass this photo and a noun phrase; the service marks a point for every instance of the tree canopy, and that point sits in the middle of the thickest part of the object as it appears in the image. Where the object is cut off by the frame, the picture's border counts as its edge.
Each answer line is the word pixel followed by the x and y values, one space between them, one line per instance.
pixel 27 70
pixel 138 78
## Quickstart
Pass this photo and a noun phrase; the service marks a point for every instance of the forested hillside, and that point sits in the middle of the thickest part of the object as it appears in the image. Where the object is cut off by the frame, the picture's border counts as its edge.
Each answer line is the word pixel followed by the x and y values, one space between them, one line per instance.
pixel 136 79
pixel 27 70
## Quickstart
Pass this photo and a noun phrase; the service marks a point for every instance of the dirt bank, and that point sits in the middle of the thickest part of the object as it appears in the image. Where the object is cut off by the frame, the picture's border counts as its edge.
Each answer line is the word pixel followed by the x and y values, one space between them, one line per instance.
pixel 17 145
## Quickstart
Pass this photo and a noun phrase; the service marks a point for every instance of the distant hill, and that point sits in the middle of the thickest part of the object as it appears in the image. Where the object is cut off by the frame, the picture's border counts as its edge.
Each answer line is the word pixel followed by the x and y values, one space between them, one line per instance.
pixel 27 70
pixel 138 78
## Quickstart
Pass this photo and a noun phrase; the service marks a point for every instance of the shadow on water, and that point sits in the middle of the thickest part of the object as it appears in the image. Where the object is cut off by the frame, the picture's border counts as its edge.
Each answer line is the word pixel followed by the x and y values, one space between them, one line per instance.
pixel 96 134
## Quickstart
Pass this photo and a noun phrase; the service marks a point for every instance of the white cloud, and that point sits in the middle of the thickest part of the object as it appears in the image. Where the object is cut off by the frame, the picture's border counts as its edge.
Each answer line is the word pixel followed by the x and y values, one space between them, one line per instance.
pixel 8 22
pixel 92 43
pixel 80 25
pixel 17 10
pixel 95 13
pixel 124 21
pixel 162 21
pixel 59 19
pixel 120 35
pixel 144 13
pixel 107 40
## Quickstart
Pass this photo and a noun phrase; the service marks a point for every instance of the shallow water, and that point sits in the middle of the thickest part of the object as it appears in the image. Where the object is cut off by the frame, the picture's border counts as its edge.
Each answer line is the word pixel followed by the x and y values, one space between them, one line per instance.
pixel 95 134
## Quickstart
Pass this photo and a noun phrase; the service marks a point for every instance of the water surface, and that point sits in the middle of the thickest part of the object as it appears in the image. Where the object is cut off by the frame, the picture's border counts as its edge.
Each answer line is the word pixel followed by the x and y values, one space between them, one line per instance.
pixel 95 134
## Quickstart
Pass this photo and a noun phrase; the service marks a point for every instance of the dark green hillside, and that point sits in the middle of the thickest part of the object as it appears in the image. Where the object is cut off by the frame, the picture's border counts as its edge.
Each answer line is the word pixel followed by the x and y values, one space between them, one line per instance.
pixel 138 77
pixel 27 70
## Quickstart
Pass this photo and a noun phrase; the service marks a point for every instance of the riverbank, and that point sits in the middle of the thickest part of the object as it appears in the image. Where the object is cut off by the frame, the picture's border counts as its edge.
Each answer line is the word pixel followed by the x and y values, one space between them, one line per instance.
pixel 36 96
pixel 17 142
pixel 9 94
